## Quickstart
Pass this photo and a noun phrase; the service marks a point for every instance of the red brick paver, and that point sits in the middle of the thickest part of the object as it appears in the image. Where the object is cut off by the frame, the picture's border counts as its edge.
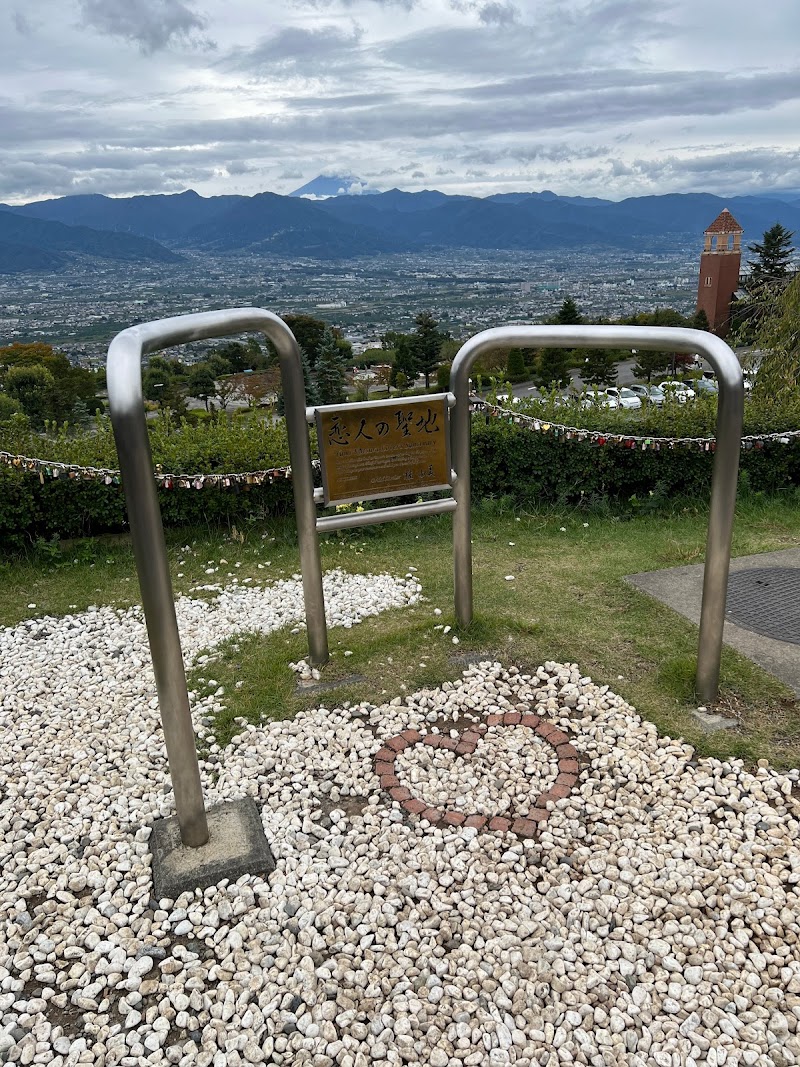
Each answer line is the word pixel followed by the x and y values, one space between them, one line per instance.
pixel 454 818
pixel 499 823
pixel 524 824
pixel 478 821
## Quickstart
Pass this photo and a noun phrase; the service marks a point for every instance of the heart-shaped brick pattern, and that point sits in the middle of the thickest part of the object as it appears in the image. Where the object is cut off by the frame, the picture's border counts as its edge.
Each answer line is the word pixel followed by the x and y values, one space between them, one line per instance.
pixel 525 824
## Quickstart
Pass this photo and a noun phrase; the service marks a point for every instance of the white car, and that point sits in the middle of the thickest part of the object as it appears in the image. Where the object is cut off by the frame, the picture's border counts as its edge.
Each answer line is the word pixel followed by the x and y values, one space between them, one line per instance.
pixel 626 398
pixel 596 398
pixel 679 391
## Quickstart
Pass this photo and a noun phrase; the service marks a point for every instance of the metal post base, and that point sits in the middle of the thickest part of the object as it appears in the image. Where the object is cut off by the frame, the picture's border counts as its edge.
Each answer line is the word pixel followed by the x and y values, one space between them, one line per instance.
pixel 236 845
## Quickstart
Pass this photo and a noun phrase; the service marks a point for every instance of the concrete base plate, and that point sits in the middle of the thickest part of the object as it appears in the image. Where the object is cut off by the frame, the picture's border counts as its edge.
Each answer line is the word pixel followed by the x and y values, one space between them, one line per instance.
pixel 710 723
pixel 236 845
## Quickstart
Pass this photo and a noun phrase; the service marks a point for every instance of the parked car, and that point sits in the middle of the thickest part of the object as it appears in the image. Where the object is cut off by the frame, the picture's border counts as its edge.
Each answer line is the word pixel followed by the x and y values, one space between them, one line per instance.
pixel 597 398
pixel 706 385
pixel 649 394
pixel 626 398
pixel 505 399
pixel 679 391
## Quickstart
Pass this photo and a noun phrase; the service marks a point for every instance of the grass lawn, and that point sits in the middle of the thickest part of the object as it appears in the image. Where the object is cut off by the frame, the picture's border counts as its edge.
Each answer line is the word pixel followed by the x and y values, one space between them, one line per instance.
pixel 567 602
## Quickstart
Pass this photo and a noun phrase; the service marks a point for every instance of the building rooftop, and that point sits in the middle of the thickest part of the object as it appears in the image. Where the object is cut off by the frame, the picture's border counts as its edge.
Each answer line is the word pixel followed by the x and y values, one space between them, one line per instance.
pixel 724 223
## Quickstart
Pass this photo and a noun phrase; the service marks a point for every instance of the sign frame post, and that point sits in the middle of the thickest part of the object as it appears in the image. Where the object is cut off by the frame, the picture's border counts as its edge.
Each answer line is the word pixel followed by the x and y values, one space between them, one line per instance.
pixel 124 379
pixel 730 413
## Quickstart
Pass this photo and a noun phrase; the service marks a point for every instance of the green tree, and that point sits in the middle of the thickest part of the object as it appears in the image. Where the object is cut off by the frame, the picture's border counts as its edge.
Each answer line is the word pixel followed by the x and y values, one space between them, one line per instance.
pixel 79 416
pixel 427 344
pixel 309 382
pixel 552 368
pixel 649 363
pixel 156 380
pixel 778 338
pixel 237 355
pixel 700 321
pixel 659 317
pixel 515 368
pixel 8 407
pixel 329 373
pixel 310 333
pixel 773 256
pixel 70 383
pixel 32 386
pixel 600 366
pixel 201 383
pixel 568 314
pixel 405 359
pixel 218 365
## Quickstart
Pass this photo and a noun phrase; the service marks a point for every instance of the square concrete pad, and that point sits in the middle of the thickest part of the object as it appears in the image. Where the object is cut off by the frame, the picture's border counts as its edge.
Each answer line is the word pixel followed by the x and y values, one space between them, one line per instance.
pixel 236 845
pixel 681 588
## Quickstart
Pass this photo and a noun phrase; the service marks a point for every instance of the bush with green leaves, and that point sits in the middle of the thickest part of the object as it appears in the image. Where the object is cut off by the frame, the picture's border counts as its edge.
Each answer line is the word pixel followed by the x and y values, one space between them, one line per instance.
pixel 537 467
pixel 32 508
pixel 508 461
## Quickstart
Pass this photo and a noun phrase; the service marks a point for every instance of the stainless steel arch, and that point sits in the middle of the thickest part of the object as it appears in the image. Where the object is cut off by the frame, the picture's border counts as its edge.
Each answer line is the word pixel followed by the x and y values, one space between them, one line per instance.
pixel 726 459
pixel 124 376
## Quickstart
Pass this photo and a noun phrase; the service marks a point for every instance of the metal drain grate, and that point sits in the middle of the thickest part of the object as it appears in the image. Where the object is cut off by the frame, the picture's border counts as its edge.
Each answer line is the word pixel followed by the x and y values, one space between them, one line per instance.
pixel 767 602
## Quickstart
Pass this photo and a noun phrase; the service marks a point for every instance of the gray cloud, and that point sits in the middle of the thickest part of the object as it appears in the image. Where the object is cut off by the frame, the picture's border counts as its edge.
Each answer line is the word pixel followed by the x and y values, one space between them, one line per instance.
pixel 734 171
pixel 21 23
pixel 322 5
pixel 490 12
pixel 295 47
pixel 498 14
pixel 555 38
pixel 600 100
pixel 586 96
pixel 151 24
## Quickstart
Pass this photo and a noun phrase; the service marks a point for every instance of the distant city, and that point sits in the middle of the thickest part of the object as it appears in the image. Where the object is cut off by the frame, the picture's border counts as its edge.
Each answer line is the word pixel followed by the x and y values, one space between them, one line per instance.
pixel 79 309
pixel 75 271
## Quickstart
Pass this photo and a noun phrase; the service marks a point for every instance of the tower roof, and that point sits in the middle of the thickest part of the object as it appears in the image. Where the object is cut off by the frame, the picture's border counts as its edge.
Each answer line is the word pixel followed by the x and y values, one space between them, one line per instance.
pixel 724 223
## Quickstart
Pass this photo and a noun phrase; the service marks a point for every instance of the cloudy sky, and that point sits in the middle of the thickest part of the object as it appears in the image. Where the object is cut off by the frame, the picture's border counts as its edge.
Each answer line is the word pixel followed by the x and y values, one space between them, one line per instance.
pixel 608 98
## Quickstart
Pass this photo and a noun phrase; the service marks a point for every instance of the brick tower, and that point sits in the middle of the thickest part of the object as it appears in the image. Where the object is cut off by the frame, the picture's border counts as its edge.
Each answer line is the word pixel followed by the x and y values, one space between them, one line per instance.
pixel 719 271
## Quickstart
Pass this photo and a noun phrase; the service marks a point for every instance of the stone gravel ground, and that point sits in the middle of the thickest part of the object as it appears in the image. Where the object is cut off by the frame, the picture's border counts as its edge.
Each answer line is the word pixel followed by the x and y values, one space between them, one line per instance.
pixel 653 919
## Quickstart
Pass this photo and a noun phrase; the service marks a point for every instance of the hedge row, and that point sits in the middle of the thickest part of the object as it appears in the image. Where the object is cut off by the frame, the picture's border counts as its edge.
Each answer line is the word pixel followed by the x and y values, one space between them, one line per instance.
pixel 31 509
pixel 532 468
pixel 507 461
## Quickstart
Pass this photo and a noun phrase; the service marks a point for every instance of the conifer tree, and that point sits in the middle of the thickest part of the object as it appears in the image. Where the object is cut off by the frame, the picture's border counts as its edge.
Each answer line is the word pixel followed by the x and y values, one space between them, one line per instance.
pixel 600 367
pixel 568 314
pixel 515 367
pixel 649 363
pixel 329 372
pixel 405 359
pixel 700 321
pixel 773 256
pixel 552 368
pixel 427 343
pixel 309 384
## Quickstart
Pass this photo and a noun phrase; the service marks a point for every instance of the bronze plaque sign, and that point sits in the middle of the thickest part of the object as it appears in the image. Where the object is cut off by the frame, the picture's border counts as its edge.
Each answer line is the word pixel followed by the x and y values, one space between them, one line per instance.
pixel 386 448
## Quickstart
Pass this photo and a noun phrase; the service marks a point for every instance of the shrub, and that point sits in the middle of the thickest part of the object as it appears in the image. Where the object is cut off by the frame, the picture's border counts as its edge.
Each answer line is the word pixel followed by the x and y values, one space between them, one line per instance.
pixel 34 507
pixel 543 467
pixel 508 462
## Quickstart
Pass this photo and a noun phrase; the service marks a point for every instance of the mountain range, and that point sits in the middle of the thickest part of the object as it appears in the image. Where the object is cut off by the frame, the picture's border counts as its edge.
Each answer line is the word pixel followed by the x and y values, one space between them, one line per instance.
pixel 46 234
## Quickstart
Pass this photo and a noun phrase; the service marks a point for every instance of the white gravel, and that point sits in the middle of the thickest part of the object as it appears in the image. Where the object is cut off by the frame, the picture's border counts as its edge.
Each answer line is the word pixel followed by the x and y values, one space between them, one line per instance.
pixel 509 767
pixel 654 921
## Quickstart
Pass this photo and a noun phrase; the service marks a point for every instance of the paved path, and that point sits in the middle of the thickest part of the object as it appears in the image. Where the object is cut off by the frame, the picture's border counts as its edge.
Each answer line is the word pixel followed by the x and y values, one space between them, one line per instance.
pixel 681 588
